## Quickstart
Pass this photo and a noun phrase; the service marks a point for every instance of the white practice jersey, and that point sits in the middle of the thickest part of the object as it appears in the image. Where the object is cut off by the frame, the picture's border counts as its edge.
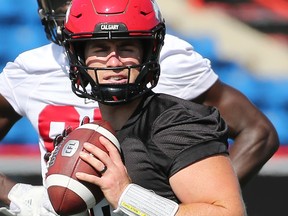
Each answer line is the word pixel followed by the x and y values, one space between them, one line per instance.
pixel 37 85
pixel 184 72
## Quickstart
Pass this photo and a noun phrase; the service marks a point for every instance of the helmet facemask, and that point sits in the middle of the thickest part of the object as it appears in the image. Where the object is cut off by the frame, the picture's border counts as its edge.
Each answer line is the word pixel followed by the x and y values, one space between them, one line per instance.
pixel 149 70
pixel 52 15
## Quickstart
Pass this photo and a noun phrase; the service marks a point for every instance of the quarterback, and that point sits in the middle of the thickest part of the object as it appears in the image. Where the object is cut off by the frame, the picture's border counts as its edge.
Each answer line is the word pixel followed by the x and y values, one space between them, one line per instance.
pixel 36 85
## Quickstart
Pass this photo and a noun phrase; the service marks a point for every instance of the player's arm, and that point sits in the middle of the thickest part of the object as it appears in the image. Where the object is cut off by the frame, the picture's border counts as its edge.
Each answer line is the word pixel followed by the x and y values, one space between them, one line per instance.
pixel 215 196
pixel 200 193
pixel 255 138
pixel 6 185
pixel 8 117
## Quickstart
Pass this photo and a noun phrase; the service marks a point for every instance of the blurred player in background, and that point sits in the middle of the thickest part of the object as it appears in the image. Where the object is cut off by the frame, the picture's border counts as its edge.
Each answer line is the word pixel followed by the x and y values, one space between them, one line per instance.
pixel 36 85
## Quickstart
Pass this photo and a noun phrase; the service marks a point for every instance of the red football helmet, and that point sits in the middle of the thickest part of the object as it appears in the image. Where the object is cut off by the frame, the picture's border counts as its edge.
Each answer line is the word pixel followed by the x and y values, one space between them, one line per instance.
pixel 52 15
pixel 113 19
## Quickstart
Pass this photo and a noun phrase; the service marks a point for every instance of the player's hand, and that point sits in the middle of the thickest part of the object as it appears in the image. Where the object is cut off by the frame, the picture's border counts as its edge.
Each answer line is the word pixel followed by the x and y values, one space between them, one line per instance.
pixel 57 140
pixel 85 120
pixel 6 212
pixel 60 137
pixel 114 178
pixel 28 200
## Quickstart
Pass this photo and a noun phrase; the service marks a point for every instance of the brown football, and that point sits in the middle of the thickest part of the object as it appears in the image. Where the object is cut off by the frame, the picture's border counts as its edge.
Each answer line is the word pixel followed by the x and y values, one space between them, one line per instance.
pixel 67 194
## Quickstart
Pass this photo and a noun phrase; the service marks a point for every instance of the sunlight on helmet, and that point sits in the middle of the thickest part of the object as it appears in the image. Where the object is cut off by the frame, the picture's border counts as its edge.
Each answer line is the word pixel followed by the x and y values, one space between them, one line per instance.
pixel 113 20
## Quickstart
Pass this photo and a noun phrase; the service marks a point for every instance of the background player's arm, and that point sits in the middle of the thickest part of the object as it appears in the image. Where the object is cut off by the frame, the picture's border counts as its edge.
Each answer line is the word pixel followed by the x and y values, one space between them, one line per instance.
pixel 5 187
pixel 8 117
pixel 255 138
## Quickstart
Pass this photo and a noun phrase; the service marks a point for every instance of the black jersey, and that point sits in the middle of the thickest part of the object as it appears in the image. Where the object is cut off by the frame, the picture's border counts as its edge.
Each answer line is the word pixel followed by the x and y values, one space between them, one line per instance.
pixel 164 135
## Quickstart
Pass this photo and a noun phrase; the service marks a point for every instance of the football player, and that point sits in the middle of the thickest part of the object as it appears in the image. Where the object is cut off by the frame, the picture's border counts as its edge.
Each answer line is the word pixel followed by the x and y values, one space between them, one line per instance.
pixel 36 85
pixel 175 151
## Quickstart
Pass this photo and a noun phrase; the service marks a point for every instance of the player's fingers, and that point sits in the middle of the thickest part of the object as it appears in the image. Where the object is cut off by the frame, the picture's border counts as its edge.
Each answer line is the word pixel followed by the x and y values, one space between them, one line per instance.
pixel 85 120
pixel 88 178
pixel 67 131
pixel 112 164
pixel 115 156
pixel 111 148
pixel 47 156
pixel 98 153
pixel 93 161
pixel 57 140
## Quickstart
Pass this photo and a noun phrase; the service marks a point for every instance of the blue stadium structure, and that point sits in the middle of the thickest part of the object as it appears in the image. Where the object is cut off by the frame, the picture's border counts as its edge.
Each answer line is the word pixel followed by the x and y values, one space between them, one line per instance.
pixel 21 30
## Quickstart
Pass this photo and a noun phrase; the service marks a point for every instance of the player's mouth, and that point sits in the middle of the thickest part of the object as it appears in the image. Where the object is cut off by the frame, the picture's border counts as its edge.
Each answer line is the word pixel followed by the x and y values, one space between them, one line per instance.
pixel 116 79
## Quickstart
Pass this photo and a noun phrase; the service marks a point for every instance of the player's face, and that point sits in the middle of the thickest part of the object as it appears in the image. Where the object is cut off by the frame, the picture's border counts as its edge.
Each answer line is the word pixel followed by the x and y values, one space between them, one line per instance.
pixel 112 54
